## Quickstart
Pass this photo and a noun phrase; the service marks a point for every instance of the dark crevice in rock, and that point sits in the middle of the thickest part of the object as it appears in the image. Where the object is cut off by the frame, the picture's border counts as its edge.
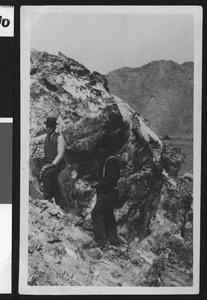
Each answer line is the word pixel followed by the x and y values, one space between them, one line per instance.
pixel 51 87
pixel 96 77
pixel 33 70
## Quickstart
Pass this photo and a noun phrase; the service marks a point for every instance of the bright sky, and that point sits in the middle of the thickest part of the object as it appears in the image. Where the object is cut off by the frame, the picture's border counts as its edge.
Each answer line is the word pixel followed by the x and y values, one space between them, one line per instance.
pixel 105 42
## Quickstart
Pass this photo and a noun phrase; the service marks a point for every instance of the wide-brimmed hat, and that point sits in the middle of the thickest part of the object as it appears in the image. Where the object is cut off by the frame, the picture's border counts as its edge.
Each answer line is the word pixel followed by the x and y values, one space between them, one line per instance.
pixel 51 122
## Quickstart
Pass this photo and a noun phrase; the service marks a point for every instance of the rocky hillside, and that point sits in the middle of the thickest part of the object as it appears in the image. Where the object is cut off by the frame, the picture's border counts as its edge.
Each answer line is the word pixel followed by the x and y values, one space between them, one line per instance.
pixel 155 218
pixel 162 91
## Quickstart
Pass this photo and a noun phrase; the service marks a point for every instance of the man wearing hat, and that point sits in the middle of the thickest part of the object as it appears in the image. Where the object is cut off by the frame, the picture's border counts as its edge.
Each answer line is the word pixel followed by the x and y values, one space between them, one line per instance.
pixel 54 149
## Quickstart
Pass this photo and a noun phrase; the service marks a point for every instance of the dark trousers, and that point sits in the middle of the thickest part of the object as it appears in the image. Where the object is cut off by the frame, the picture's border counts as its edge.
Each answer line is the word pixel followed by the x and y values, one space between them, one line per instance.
pixel 51 186
pixel 103 220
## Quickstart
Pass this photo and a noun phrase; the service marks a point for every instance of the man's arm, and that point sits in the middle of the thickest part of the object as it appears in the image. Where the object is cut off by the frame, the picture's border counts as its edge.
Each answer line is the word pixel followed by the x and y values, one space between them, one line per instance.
pixel 110 180
pixel 58 158
pixel 60 150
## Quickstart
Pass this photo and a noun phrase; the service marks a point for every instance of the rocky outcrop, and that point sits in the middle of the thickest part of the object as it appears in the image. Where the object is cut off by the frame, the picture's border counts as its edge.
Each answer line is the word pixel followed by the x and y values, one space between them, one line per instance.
pixel 90 117
pixel 162 91
pixel 62 252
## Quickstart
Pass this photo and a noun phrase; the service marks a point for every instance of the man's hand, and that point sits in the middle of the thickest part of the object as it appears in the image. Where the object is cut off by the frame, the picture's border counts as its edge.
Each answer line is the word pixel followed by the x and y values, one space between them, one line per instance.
pixel 46 167
pixel 94 185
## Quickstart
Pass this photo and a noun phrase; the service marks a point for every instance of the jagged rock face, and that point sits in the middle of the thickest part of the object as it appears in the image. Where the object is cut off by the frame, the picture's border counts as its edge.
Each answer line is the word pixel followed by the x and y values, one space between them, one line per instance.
pixel 161 91
pixel 61 253
pixel 156 216
pixel 89 117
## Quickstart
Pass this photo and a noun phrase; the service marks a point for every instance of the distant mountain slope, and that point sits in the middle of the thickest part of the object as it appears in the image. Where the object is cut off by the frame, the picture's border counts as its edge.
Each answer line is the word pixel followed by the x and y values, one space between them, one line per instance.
pixel 161 91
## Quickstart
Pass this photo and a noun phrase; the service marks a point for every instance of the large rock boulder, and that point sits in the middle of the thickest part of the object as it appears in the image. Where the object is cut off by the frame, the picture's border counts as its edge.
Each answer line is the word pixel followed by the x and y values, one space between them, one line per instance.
pixel 90 117
pixel 155 212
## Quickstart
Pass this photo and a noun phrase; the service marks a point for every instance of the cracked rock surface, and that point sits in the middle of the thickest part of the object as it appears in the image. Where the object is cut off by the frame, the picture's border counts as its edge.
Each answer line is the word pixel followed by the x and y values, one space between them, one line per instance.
pixel 155 216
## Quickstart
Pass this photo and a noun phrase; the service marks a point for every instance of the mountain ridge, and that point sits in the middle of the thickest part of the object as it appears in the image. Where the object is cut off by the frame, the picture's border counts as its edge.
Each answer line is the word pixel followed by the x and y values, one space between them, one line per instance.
pixel 161 91
pixel 186 63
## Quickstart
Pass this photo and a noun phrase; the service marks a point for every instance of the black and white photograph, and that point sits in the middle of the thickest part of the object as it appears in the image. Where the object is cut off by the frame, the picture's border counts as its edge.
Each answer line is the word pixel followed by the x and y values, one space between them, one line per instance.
pixel 110 149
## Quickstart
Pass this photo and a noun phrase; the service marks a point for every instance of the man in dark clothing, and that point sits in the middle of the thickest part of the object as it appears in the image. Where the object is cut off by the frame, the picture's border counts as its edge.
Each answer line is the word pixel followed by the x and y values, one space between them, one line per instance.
pixel 102 215
pixel 54 148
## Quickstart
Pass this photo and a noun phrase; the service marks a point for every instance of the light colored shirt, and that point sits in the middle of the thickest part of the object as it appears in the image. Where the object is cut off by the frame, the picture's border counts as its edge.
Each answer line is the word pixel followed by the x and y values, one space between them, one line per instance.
pixel 60 150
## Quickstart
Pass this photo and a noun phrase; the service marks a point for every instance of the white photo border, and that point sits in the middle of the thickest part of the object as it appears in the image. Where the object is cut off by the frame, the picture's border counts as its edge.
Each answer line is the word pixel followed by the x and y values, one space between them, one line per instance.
pixel 25 28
